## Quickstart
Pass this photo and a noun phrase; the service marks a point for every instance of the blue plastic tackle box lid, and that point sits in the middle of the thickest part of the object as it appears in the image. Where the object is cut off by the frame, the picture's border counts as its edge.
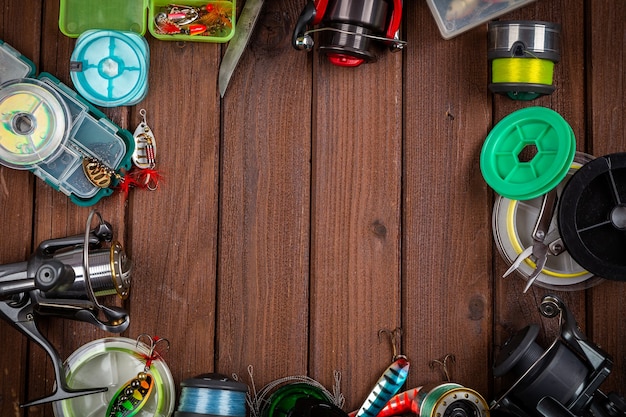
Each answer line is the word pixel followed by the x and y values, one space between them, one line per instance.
pixel 110 68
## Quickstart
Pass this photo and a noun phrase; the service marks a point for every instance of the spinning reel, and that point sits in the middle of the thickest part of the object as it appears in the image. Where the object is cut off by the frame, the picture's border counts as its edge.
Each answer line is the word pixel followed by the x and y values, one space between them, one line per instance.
pixel 350 27
pixel 561 381
pixel 63 278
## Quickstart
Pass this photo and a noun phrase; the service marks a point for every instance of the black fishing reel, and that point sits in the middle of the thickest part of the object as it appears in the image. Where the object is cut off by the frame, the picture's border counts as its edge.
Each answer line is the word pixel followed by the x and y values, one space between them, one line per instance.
pixel 63 278
pixel 350 28
pixel 561 381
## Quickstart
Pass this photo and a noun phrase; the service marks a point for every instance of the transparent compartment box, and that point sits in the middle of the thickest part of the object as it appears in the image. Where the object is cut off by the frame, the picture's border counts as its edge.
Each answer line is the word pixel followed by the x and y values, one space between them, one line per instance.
pixel 78 16
pixel 454 17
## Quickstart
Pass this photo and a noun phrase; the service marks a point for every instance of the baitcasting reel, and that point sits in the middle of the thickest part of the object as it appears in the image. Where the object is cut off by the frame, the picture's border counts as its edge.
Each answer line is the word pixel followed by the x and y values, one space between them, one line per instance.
pixel 63 278
pixel 350 27
pixel 561 381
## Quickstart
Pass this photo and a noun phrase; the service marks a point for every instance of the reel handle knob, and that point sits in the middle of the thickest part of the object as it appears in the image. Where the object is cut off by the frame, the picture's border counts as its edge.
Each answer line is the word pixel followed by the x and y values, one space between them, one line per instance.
pixel 300 40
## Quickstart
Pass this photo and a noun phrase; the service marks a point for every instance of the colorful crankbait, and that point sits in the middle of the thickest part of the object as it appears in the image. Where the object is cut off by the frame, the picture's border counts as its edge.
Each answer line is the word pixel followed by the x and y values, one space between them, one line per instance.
pixel 388 384
pixel 134 394
pixel 131 398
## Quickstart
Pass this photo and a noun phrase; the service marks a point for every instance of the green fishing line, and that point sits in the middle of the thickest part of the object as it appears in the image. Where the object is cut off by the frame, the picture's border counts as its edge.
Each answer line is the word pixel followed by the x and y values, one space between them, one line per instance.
pixel 522 70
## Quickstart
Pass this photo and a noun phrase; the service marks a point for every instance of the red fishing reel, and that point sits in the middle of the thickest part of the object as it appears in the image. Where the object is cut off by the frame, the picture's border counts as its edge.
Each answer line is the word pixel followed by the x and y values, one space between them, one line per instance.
pixel 350 29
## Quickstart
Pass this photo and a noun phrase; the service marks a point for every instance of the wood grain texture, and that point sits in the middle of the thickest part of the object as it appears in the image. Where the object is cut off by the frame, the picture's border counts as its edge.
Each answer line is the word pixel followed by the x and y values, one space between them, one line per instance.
pixel 263 278
pixel 355 221
pixel 446 237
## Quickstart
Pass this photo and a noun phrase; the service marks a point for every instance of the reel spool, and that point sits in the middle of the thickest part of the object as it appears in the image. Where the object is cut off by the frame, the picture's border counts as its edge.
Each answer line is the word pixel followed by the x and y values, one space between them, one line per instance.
pixel 528 153
pixel 452 400
pixel 592 216
pixel 34 123
pixel 522 56
pixel 301 399
pixel 110 362
pixel 350 28
pixel 212 395
pixel 512 224
pixel 560 381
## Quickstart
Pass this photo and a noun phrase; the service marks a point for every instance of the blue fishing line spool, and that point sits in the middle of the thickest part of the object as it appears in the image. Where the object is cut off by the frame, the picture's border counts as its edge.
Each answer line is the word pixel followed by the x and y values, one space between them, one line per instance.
pixel 212 395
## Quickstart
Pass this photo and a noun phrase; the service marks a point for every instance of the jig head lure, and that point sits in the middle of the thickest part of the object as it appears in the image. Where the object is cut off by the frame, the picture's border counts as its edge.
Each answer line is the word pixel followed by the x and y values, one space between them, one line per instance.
pixel 134 394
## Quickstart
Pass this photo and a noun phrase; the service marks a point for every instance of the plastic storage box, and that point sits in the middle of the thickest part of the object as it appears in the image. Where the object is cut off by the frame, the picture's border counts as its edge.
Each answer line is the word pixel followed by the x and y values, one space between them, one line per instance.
pixel 78 16
pixel 454 17
pixel 47 128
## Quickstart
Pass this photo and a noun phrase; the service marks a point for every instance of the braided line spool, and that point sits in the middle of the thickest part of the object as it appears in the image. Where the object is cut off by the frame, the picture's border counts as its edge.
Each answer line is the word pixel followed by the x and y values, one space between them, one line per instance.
pixel 212 395
pixel 453 400
pixel 293 400
pixel 522 56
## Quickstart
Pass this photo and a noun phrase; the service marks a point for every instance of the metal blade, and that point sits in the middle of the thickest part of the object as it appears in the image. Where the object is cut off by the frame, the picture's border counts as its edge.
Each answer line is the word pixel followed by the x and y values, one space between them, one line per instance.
pixel 243 29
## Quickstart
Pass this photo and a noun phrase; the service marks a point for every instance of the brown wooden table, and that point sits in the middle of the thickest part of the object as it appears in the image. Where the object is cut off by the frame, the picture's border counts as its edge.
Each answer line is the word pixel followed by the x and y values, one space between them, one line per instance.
pixel 315 205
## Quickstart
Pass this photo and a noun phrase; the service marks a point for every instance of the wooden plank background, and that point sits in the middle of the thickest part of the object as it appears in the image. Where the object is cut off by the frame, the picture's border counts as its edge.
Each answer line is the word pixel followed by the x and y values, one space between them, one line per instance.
pixel 315 205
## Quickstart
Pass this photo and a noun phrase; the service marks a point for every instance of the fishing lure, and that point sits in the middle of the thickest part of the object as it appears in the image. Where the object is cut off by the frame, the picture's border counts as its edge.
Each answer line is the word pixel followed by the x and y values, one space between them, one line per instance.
pixel 388 384
pixel 144 159
pixel 144 155
pixel 134 394
pixel 400 404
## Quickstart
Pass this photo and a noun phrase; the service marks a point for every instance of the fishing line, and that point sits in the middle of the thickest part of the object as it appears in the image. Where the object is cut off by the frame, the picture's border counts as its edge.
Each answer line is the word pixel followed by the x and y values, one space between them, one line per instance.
pixel 522 70
pixel 451 399
pixel 522 56
pixel 212 394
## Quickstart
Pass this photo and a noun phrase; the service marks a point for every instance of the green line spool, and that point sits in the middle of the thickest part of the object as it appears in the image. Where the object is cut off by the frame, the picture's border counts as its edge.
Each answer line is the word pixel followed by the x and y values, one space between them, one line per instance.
pixel 453 400
pixel 522 56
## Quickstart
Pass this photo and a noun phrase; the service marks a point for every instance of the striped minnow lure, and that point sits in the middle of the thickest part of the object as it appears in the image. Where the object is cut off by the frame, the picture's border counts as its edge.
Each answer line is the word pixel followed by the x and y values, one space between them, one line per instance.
pixel 387 386
pixel 406 402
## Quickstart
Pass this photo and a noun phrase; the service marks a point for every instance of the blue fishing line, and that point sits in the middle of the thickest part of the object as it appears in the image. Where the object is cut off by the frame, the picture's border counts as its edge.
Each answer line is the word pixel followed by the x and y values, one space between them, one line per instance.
pixel 213 402
pixel 212 395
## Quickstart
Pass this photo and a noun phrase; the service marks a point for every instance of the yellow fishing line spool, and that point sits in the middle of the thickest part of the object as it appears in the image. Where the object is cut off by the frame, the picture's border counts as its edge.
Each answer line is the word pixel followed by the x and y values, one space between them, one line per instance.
pixel 522 56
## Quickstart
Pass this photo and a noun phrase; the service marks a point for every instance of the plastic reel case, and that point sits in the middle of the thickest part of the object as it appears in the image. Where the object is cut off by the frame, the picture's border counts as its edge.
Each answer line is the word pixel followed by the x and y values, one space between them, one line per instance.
pixel 78 16
pixel 454 17
pixel 592 216
pixel 111 362
pixel 513 222
pixel 49 129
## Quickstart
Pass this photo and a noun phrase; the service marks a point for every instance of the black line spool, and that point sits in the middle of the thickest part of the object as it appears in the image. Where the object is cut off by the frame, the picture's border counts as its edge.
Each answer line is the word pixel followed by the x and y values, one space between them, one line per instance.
pixel 592 216
pixel 559 375
pixel 212 395
pixel 522 56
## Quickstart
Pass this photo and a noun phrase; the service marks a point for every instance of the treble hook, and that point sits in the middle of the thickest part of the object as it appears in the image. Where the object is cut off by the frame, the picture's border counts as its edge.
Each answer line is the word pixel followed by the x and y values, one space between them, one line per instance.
pixel 394 337
pixel 154 342
pixel 444 365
